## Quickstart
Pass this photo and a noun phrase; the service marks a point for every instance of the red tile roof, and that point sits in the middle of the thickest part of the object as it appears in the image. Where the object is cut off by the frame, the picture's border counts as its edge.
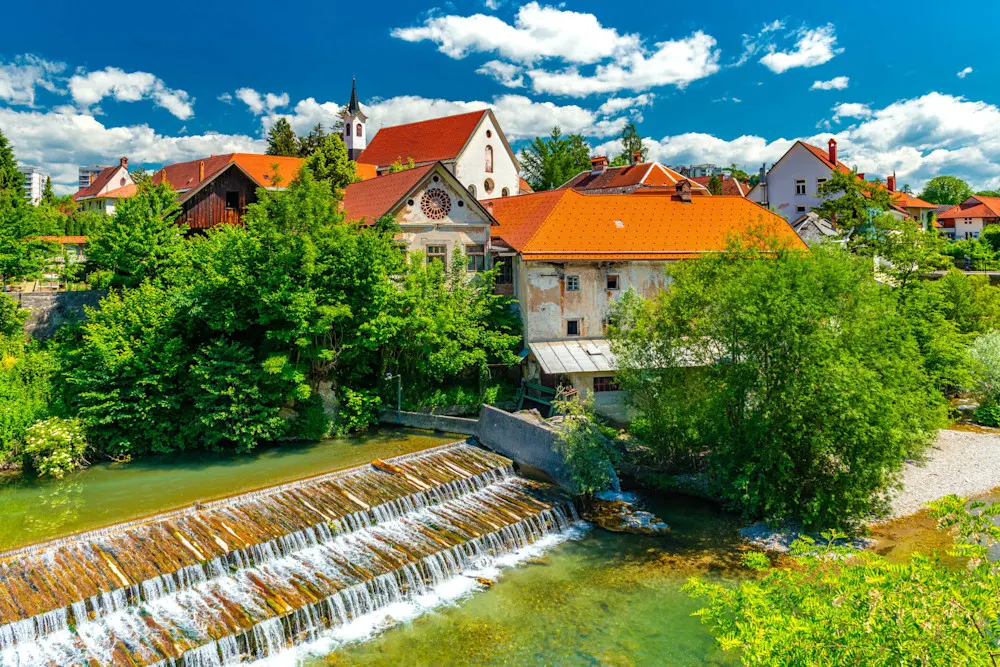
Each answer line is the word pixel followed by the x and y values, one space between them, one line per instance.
pixel 909 201
pixel 185 176
pixel 730 186
pixel 103 179
pixel 370 200
pixel 974 207
pixel 425 141
pixel 524 187
pixel 565 224
pixel 64 240
pixel 824 155
pixel 627 178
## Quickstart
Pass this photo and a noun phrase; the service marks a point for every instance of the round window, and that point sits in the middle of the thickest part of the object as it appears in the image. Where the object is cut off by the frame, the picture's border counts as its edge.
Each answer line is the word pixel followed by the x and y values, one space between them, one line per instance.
pixel 435 204
pixel 489 134
pixel 410 202
pixel 461 203
pixel 489 185
pixel 437 178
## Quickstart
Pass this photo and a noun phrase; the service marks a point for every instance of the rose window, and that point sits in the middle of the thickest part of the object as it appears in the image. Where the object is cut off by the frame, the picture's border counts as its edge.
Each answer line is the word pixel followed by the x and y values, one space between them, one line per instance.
pixel 435 204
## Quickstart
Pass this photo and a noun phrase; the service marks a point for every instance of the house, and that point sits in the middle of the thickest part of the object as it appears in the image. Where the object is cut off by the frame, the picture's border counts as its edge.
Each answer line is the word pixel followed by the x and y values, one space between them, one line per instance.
pixel 472 146
pixel 105 189
pixel 915 208
pixel 574 254
pixel 812 228
pixel 217 189
pixel 730 185
pixel 968 219
pixel 605 180
pixel 435 213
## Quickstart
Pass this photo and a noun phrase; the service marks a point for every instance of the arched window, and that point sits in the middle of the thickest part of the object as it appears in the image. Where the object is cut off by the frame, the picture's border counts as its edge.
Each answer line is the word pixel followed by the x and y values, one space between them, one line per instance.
pixel 347 131
pixel 505 192
pixel 472 190
pixel 489 159
pixel 357 130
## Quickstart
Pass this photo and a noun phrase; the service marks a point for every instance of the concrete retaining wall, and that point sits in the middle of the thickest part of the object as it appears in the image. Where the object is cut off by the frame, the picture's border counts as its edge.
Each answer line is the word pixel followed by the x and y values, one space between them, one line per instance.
pixel 427 422
pixel 526 442
pixel 50 310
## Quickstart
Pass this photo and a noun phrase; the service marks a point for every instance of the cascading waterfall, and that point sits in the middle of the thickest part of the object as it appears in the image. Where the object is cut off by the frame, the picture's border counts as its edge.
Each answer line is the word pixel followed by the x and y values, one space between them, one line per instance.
pixel 240 579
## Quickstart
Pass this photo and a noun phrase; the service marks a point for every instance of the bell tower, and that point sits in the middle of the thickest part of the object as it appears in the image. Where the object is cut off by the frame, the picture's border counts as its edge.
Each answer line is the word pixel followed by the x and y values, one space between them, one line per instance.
pixel 355 130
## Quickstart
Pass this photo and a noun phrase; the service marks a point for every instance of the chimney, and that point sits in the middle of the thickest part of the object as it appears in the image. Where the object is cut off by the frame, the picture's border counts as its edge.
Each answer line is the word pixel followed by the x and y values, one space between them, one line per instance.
pixel 684 191
pixel 91 176
pixel 833 152
pixel 201 171
pixel 124 162
pixel 163 176
pixel 598 164
pixel 637 157
pixel 890 183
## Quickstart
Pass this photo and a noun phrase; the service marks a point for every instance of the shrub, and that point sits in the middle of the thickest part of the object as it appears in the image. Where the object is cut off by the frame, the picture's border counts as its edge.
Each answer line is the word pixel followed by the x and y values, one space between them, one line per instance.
pixel 985 355
pixel 359 411
pixel 55 446
pixel 589 453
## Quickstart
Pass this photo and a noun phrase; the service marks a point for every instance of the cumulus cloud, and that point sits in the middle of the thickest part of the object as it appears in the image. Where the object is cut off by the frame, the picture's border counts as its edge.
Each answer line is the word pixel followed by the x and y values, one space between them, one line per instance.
pixel 20 79
pixel 519 116
pixel 538 32
pixel 813 47
pixel 917 138
pixel 965 72
pixel 89 88
pixel 615 105
pixel 851 110
pixel 836 83
pixel 60 141
pixel 260 104
pixel 507 74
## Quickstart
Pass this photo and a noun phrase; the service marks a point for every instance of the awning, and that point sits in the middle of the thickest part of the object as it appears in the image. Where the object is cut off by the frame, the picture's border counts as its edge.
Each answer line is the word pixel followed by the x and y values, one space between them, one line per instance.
pixel 574 356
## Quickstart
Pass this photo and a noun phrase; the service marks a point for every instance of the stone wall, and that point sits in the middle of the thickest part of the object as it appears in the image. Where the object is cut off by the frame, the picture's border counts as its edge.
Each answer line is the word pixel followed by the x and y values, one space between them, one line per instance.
pixel 527 442
pixel 50 310
pixel 443 423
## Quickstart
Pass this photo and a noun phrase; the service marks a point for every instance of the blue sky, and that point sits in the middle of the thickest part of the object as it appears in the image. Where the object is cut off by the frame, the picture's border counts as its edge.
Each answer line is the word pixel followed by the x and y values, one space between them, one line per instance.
pixel 712 82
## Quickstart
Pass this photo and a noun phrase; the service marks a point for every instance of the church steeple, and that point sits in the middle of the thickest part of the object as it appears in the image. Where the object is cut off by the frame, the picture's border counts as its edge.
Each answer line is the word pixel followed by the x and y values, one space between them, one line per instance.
pixel 355 132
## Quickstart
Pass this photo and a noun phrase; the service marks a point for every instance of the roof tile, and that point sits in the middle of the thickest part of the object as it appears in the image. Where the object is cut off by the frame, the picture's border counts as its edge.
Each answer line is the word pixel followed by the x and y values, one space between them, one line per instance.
pixel 372 199
pixel 425 141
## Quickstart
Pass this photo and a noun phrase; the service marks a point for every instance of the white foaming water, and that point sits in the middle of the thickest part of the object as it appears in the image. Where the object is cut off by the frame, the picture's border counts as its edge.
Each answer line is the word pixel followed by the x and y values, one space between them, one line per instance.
pixel 449 592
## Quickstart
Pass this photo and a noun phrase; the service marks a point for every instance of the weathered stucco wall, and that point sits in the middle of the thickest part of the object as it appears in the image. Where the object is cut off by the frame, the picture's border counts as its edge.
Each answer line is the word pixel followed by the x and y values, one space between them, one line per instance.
pixel 50 310
pixel 464 225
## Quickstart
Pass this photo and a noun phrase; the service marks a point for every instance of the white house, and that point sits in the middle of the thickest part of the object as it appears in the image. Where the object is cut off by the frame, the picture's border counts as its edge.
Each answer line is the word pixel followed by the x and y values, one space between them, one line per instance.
pixel 791 187
pixel 106 189
pixel 968 219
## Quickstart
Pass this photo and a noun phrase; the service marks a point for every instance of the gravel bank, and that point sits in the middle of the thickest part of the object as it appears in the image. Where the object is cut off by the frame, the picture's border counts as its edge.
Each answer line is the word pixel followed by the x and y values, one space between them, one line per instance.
pixel 960 462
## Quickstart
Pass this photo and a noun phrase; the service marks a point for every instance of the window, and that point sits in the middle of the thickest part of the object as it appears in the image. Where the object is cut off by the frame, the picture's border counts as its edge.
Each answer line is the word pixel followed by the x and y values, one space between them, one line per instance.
pixel 573 327
pixel 232 201
pixel 357 130
pixel 489 159
pixel 612 282
pixel 506 274
pixel 472 190
pixel 505 192
pixel 820 182
pixel 437 253
pixel 347 131
pixel 488 186
pixel 489 133
pixel 604 384
pixel 800 186
pixel 572 283
pixel 800 209
pixel 477 258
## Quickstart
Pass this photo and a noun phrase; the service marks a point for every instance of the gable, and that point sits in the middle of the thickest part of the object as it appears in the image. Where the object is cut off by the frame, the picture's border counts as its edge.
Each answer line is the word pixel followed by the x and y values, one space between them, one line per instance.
pixel 438 139
pixel 440 200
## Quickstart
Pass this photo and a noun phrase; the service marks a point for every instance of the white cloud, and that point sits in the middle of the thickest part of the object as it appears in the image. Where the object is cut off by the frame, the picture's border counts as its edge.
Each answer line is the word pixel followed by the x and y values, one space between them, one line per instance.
pixel 260 104
pixel 60 141
pixel 814 47
pixel 965 72
pixel 851 110
pixel 917 138
pixel 519 116
pixel 19 79
pixel 754 44
pixel 615 105
pixel 492 4
pixel 674 62
pixel 88 89
pixel 507 74
pixel 538 32
pixel 836 83
pixel 226 98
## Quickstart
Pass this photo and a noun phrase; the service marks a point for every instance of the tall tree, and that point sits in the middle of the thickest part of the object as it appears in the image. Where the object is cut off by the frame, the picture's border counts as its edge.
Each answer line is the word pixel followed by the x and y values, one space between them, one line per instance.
pixel 281 139
pixel 48 196
pixel 329 162
pixel 548 162
pixel 310 143
pixel 946 190
pixel 715 185
pixel 631 144
pixel 11 180
pixel 852 202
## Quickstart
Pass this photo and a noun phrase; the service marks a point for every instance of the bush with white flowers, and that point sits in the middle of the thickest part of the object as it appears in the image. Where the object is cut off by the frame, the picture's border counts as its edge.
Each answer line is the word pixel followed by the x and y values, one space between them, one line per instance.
pixel 55 446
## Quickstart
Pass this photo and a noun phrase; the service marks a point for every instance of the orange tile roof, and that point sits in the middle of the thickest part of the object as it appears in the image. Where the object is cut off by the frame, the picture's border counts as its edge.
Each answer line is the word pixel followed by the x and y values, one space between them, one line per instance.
pixel 102 180
pixel 425 141
pixel 974 207
pixel 730 186
pixel 625 178
pixel 524 187
pixel 370 200
pixel 565 224
pixel 184 176
pixel 907 200
pixel 365 171
pixel 118 193
pixel 64 240
pixel 824 155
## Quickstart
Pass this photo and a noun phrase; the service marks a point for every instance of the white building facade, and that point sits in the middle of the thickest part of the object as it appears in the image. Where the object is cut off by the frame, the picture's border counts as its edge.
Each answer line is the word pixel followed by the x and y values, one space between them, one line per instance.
pixel 791 188
pixel 34 183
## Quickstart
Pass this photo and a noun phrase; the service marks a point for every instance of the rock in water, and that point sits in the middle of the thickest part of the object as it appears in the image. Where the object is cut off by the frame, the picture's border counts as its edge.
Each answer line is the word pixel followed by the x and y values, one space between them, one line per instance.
pixel 622 517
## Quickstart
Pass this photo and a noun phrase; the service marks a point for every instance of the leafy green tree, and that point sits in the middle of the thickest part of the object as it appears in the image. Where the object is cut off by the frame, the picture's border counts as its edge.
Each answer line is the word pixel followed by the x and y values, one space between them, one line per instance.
pixel 852 202
pixel 589 454
pixel 11 317
pixel 48 196
pixel 796 372
pixel 399 165
pixel 22 254
pixel 946 190
pixel 281 139
pixel 715 185
pixel 737 173
pixel 329 162
pixel 11 180
pixel 310 143
pixel 988 193
pixel 549 162
pixel 141 177
pixel 140 242
pixel 632 143
pixel 26 392
pixel 840 606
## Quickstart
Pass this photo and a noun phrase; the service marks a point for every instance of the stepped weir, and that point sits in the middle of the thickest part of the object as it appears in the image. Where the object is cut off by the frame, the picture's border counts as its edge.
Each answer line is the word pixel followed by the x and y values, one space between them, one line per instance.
pixel 240 579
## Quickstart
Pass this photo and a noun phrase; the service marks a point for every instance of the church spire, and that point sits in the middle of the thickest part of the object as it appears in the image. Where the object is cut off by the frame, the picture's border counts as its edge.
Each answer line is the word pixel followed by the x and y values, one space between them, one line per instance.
pixel 353 108
pixel 355 132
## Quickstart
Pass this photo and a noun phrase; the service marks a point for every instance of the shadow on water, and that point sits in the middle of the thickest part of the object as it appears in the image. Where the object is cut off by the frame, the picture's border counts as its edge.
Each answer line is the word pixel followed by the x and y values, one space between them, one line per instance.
pixel 33 509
